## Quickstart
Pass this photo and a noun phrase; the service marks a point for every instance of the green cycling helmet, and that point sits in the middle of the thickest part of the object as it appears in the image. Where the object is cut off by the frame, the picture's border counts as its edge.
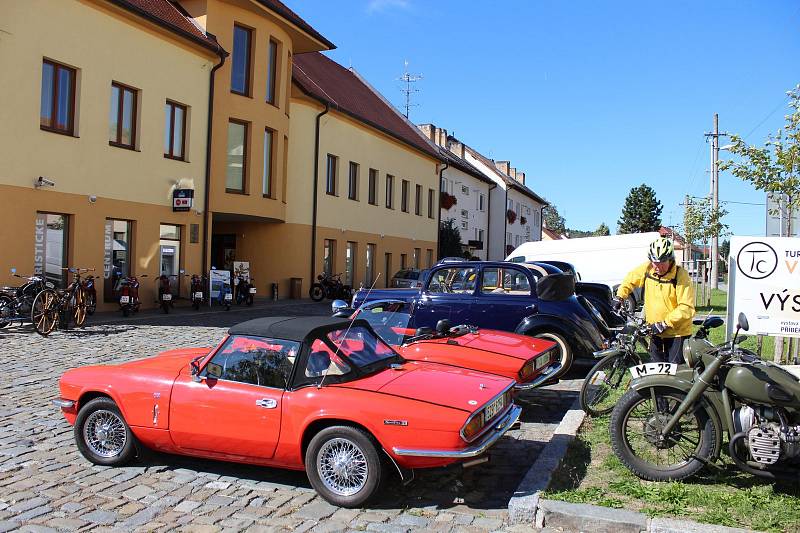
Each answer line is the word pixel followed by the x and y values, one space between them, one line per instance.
pixel 661 250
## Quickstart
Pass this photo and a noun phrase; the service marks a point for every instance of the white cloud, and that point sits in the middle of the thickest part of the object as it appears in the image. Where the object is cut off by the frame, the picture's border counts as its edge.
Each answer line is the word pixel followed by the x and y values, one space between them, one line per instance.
pixel 375 6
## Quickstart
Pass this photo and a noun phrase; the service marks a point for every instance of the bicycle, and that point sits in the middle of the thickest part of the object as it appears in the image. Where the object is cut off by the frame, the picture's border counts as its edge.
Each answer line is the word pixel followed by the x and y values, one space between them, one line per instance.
pixel 609 378
pixel 54 306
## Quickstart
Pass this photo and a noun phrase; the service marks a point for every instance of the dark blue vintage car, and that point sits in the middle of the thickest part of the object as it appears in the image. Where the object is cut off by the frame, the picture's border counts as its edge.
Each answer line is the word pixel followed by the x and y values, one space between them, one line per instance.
pixel 531 299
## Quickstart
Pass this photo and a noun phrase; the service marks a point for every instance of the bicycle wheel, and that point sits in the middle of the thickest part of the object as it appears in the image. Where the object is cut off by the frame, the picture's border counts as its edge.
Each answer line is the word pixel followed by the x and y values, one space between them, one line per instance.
pixel 44 312
pixel 78 303
pixel 605 383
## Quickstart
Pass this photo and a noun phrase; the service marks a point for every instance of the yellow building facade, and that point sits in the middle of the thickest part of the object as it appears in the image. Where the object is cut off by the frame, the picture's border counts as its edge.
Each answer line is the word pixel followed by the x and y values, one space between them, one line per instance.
pixel 250 133
pixel 105 114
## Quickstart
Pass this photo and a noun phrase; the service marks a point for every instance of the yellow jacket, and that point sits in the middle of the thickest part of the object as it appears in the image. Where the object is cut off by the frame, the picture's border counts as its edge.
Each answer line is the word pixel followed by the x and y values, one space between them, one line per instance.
pixel 668 298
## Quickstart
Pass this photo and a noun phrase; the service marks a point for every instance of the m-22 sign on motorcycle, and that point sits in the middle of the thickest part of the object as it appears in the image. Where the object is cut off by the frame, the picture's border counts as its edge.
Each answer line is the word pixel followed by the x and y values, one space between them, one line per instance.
pixel 765 284
pixel 651 369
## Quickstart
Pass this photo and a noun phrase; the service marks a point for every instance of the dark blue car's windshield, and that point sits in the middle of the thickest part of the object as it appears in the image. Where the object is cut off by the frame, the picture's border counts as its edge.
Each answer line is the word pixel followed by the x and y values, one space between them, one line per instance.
pixel 390 321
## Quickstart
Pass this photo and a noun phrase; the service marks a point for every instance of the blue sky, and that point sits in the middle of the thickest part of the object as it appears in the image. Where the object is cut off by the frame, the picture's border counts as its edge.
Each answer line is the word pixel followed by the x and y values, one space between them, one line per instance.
pixel 588 98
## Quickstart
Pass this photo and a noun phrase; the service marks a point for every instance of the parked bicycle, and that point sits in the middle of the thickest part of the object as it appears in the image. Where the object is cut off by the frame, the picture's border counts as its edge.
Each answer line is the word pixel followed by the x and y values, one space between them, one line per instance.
pixel 331 287
pixel 609 378
pixel 54 308
pixel 16 302
pixel 89 291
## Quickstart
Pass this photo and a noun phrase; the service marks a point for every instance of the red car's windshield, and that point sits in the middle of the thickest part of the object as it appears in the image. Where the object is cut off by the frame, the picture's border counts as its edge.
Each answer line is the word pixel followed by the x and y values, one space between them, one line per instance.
pixel 360 346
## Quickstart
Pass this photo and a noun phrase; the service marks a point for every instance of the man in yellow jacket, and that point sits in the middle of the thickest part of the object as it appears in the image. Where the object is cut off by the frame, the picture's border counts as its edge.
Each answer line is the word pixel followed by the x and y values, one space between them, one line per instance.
pixel 668 300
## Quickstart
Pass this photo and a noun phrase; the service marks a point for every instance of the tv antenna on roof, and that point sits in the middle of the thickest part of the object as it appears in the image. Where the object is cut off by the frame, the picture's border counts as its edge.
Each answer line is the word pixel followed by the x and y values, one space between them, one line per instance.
pixel 408 90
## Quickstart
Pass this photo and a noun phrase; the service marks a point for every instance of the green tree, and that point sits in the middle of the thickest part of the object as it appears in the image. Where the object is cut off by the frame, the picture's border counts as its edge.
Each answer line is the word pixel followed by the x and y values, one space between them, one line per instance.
pixel 724 251
pixel 553 220
pixel 602 230
pixel 701 220
pixel 449 239
pixel 641 212
pixel 775 167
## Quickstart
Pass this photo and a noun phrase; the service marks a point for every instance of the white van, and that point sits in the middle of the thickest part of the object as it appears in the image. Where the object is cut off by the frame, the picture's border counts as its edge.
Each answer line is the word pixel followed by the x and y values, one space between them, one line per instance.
pixel 596 259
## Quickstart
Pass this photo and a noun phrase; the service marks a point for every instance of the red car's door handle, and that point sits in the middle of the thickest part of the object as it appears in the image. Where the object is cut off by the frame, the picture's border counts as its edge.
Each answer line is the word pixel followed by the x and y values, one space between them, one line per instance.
pixel 267 403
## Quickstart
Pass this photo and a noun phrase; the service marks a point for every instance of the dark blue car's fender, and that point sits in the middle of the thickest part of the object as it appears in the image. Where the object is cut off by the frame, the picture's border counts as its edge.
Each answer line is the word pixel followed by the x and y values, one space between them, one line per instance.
pixel 581 344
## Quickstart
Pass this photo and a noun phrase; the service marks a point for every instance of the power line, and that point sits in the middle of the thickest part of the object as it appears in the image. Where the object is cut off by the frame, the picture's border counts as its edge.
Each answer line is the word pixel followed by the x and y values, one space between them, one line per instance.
pixel 783 102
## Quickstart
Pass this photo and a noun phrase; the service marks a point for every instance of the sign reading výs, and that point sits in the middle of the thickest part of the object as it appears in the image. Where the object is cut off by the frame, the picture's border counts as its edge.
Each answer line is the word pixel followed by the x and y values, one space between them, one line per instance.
pixel 765 283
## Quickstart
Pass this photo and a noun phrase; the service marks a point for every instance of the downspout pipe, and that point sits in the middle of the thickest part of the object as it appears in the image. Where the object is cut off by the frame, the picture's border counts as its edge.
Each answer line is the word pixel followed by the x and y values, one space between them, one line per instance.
pixel 505 224
pixel 489 218
pixel 439 211
pixel 315 193
pixel 207 192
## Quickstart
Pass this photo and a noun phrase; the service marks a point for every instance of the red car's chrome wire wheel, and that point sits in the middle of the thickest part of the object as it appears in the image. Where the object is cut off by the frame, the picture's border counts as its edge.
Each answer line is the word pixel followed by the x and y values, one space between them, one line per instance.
pixel 104 433
pixel 342 467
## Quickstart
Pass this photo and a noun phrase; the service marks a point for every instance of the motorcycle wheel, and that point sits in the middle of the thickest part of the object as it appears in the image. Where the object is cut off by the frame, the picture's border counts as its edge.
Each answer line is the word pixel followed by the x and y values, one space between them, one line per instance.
pixel 7 308
pixel 249 300
pixel 346 293
pixel 165 306
pixel 316 292
pixel 227 307
pixel 91 304
pixel 44 312
pixel 196 305
pixel 126 312
pixel 605 383
pixel 635 425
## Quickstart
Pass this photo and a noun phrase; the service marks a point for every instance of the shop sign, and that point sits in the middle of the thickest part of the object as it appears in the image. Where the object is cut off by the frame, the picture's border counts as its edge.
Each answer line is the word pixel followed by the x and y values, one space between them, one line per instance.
pixel 40 228
pixel 108 237
pixel 765 284
pixel 182 199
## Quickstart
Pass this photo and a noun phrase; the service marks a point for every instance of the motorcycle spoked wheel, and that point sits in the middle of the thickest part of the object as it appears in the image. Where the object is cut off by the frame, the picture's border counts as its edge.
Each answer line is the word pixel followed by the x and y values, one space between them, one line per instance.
pixel 91 303
pixel 635 426
pixel 7 308
pixel 605 383
pixel 316 292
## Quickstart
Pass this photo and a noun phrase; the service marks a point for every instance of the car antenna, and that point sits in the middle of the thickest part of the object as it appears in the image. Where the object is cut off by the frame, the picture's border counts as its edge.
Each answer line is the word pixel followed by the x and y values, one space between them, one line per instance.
pixel 336 353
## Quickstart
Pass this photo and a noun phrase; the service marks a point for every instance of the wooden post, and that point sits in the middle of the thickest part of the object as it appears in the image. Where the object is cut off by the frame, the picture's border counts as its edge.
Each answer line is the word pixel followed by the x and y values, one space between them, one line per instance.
pixel 759 345
pixel 778 350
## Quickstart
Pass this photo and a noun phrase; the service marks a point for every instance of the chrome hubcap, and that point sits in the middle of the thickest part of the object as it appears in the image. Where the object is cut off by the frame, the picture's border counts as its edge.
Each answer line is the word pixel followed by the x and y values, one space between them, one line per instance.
pixel 342 467
pixel 104 433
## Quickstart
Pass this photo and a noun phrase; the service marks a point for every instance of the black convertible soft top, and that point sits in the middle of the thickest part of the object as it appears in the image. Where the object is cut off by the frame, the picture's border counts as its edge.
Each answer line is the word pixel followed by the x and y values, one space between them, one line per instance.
pixel 291 328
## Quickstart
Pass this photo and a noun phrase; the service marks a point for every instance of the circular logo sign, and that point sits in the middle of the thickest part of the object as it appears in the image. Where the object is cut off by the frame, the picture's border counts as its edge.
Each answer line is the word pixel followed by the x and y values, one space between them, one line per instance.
pixel 757 260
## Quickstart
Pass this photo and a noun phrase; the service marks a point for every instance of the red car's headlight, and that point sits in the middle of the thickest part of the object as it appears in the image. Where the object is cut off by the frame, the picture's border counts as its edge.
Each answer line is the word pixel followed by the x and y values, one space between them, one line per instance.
pixel 473 426
pixel 477 422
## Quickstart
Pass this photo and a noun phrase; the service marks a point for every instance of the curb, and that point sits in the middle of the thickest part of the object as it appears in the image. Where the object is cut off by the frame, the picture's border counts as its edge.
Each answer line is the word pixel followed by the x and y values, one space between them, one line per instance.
pixel 527 506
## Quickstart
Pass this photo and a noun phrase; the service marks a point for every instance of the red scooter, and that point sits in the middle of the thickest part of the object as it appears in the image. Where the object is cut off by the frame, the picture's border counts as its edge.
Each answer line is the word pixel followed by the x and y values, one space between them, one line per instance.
pixel 128 293
pixel 164 293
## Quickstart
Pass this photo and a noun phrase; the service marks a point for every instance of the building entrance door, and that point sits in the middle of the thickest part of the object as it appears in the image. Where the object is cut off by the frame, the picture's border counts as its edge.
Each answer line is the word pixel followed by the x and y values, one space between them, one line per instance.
pixel 223 251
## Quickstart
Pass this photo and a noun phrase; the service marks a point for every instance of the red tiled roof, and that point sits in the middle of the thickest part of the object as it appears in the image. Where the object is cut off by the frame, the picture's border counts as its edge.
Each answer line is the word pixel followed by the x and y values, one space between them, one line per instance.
pixel 280 8
pixel 164 13
pixel 327 81
pixel 552 234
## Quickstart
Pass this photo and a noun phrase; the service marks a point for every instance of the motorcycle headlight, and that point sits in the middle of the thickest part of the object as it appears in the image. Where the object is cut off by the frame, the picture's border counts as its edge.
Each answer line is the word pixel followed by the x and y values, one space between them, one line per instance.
pixel 688 356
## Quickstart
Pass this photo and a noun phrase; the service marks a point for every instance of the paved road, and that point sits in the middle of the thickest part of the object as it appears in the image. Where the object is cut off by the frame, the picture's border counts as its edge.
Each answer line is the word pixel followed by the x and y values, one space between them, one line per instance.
pixel 45 483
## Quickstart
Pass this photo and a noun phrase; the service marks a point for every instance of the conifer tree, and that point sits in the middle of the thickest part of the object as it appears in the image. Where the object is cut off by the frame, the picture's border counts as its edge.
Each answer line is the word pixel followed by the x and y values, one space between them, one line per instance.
pixel 641 212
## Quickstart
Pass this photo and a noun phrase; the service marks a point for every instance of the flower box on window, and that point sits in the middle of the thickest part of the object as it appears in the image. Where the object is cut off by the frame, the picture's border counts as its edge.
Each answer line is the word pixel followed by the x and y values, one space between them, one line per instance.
pixel 511 216
pixel 447 200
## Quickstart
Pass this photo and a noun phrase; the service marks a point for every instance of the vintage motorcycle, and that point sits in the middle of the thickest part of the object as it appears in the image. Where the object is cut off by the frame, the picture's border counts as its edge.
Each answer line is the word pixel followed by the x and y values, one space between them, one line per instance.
pixel 164 293
pixel 330 286
pixel 16 303
pixel 90 292
pixel 671 423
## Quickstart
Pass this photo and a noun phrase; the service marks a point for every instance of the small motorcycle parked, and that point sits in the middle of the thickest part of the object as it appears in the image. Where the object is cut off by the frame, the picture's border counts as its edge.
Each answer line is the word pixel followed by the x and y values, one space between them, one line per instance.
pixel 128 292
pixel 245 290
pixel 225 296
pixel 164 293
pixel 197 291
pixel 671 423
pixel 16 303
pixel 331 287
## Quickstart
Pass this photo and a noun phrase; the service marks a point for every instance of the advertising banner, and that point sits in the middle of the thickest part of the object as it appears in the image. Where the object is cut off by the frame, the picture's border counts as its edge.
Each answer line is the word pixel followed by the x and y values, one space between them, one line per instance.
pixel 241 269
pixel 217 279
pixel 765 285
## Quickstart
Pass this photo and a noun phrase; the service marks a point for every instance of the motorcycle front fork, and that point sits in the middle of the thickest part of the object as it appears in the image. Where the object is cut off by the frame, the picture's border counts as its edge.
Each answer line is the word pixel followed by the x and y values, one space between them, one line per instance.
pixel 700 385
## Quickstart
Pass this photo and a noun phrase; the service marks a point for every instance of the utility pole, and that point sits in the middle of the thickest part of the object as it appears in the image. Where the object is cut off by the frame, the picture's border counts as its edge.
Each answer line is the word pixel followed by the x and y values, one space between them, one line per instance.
pixel 714 195
pixel 408 90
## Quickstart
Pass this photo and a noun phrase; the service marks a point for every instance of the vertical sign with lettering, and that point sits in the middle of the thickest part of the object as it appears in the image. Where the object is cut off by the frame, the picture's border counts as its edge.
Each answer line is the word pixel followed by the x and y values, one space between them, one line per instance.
pixel 40 228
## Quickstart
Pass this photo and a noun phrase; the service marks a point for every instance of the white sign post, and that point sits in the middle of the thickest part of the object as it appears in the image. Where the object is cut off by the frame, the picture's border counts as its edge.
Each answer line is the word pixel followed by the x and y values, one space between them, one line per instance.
pixel 764 284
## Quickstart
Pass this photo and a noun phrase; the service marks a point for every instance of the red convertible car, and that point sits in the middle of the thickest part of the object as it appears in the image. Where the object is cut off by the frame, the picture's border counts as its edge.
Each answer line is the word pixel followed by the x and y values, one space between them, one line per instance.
pixel 530 361
pixel 322 394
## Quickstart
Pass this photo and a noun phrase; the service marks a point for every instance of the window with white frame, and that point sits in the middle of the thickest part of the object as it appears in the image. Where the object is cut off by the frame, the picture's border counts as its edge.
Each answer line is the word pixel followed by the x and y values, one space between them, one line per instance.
pixel 464 224
pixel 481 202
pixel 465 190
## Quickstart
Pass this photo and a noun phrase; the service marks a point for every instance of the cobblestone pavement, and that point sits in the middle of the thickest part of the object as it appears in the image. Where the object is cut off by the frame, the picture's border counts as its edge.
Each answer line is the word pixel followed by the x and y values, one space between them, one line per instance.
pixel 45 484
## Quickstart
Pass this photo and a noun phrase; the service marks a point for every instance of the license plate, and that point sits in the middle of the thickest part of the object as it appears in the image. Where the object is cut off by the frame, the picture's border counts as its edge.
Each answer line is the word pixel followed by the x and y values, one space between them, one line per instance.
pixel 652 369
pixel 252 290
pixel 542 360
pixel 198 295
pixel 494 408
pixel 166 297
pixel 124 299
pixel 229 296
